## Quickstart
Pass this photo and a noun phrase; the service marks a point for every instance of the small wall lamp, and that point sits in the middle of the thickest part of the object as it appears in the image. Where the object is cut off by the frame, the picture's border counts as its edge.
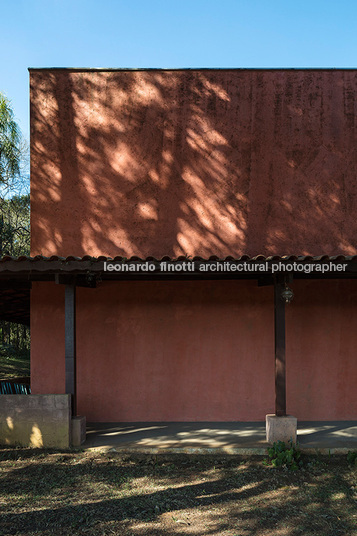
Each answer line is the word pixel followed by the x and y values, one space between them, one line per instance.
pixel 287 294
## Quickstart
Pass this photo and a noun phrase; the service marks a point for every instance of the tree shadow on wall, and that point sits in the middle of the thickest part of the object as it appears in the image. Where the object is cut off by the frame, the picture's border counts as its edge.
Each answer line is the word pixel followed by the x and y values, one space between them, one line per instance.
pixel 192 163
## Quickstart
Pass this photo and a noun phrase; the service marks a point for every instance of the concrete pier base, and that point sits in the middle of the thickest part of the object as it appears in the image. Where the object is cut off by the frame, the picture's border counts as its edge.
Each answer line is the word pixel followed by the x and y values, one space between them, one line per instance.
pixel 281 428
pixel 78 431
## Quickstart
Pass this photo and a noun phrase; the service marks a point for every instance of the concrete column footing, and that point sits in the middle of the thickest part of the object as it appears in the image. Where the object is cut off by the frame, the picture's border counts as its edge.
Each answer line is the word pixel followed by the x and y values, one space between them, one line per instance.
pixel 78 431
pixel 281 428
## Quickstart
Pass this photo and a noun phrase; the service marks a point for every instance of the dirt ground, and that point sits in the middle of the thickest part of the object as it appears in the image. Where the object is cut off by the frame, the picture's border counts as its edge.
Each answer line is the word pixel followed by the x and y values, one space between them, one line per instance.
pixel 87 493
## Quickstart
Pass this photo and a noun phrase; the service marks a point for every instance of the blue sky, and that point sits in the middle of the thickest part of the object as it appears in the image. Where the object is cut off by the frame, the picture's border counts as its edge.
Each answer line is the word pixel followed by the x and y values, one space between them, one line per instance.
pixel 171 33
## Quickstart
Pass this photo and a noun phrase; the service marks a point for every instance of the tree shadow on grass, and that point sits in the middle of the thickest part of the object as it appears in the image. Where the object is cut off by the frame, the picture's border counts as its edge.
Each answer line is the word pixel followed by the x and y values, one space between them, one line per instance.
pixel 69 493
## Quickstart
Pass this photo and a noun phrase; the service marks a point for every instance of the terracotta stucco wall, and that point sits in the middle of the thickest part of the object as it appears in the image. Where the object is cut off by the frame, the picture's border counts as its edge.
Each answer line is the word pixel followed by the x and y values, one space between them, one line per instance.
pixel 47 339
pixel 222 162
pixel 151 351
pixel 321 350
pixel 198 163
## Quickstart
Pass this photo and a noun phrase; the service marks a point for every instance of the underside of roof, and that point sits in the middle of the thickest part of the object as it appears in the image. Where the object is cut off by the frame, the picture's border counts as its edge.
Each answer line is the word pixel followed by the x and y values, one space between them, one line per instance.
pixel 15 303
pixel 17 273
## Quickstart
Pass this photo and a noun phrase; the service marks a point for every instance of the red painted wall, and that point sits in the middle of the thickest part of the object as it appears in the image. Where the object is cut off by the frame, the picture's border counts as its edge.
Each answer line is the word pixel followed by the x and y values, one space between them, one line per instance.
pixel 209 162
pixel 196 351
pixel 223 162
pixel 321 350
pixel 47 339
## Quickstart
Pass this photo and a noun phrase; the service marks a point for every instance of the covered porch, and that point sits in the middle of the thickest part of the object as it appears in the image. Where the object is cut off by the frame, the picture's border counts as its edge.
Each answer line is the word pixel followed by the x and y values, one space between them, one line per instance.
pixel 73 273
pixel 218 437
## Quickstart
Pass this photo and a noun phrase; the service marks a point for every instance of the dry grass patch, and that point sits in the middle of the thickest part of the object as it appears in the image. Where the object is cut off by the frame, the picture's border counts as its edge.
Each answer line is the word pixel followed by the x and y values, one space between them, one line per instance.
pixel 85 493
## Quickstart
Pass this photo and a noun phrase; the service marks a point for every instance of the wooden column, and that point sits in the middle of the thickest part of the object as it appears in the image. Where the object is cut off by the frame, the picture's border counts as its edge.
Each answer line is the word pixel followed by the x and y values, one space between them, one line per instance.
pixel 70 343
pixel 280 374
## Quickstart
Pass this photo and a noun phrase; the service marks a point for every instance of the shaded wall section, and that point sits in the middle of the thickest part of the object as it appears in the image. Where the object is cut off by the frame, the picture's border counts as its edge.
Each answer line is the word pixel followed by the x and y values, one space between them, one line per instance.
pixel 196 351
pixel 321 350
pixel 153 351
pixel 197 162
pixel 47 339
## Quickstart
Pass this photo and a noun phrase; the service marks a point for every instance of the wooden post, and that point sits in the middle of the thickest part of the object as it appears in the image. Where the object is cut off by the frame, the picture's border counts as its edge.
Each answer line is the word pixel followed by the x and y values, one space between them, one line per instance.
pixel 280 374
pixel 70 343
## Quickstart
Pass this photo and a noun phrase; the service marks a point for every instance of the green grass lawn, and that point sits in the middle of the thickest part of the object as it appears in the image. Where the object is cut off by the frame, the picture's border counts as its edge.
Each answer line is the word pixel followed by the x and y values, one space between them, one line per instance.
pixel 13 365
pixel 89 493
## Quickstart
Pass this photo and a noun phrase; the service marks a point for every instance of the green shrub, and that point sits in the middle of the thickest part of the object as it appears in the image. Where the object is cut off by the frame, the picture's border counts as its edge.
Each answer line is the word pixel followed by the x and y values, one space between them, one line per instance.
pixel 352 457
pixel 285 455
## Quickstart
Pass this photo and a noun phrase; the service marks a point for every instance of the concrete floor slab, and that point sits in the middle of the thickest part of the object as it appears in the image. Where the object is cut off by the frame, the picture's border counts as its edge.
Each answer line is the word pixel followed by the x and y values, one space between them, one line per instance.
pixel 213 437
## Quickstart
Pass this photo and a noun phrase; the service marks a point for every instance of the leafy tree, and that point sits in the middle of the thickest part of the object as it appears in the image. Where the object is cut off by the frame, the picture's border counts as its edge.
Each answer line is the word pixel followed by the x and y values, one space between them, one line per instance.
pixel 14 198
pixel 10 141
pixel 14 219
pixel 15 225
